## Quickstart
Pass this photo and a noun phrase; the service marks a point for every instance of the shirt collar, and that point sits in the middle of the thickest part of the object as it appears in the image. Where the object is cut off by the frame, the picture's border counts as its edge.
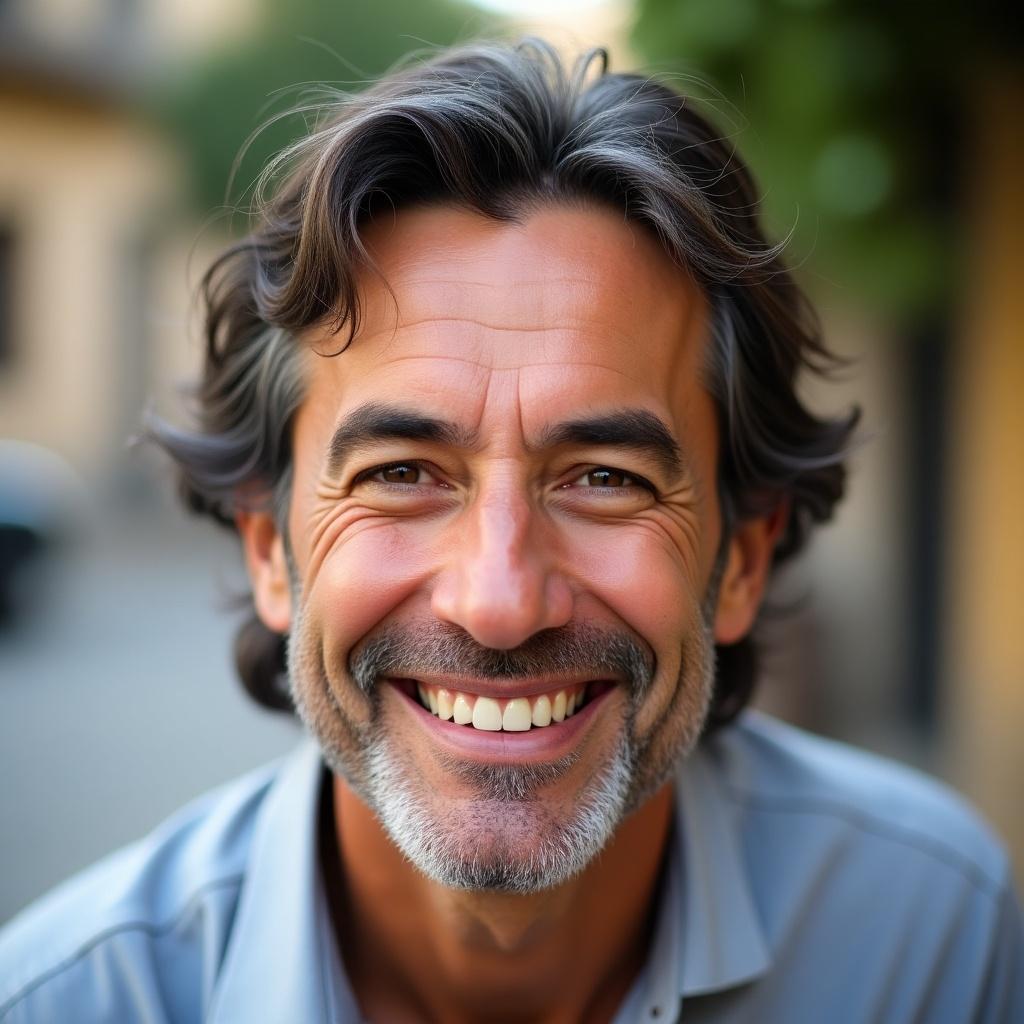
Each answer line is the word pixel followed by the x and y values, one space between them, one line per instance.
pixel 282 962
pixel 707 936
pixel 723 942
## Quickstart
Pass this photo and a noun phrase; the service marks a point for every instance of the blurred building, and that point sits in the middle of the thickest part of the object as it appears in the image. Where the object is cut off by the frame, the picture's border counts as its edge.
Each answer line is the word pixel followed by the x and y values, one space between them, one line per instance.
pixel 982 644
pixel 90 216
pixel 910 637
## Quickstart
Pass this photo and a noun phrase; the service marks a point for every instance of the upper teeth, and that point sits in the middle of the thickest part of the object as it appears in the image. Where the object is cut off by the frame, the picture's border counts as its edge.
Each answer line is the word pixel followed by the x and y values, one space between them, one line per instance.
pixel 516 715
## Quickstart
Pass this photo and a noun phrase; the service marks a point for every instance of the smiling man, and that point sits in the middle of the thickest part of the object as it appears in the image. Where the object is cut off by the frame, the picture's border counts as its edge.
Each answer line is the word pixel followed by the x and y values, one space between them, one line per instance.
pixel 500 548
pixel 501 398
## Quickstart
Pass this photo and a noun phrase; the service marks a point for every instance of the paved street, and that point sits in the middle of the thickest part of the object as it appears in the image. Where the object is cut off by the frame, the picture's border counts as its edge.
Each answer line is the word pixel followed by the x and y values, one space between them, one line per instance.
pixel 117 700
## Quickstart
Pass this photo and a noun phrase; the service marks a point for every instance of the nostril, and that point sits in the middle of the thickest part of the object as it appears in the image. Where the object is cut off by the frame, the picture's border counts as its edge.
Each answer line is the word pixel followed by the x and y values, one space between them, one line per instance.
pixel 500 629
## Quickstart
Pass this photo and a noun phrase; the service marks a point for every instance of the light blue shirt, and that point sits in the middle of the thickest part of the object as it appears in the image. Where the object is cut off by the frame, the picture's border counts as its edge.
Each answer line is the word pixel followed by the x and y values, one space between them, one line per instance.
pixel 806 882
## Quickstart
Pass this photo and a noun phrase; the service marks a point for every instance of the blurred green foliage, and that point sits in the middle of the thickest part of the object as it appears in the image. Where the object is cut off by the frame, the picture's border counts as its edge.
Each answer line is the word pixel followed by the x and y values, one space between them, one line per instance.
pixel 851 113
pixel 215 107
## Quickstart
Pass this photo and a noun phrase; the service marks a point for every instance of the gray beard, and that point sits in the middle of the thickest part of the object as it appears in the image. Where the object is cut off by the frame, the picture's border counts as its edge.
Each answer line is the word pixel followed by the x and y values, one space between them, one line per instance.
pixel 480 847
pixel 507 804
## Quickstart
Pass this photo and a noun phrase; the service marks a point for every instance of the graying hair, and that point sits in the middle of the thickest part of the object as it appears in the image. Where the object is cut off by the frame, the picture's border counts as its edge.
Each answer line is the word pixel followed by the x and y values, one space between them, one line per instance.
pixel 500 129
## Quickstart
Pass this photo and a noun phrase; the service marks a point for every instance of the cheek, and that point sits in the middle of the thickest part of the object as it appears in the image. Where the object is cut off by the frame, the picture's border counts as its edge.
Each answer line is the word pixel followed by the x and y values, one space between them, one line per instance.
pixel 364 578
pixel 647 582
pixel 653 589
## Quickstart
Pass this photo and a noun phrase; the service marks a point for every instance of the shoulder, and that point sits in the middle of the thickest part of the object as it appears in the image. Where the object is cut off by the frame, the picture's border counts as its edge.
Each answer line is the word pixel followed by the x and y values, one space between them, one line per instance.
pixel 868 873
pixel 108 937
pixel 770 770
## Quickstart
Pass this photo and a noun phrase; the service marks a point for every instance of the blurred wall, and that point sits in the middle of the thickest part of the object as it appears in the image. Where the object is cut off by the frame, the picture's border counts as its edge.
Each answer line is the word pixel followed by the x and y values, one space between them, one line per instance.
pixel 92 196
pixel 117 702
pixel 173 29
pixel 984 644
pixel 78 197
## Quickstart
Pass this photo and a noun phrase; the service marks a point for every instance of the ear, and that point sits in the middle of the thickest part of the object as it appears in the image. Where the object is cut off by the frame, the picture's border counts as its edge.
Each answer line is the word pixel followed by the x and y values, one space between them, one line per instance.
pixel 263 547
pixel 747 568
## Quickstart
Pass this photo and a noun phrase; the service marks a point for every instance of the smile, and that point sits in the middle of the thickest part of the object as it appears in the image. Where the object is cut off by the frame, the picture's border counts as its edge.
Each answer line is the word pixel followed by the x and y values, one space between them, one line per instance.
pixel 534 745
pixel 514 713
pixel 519 714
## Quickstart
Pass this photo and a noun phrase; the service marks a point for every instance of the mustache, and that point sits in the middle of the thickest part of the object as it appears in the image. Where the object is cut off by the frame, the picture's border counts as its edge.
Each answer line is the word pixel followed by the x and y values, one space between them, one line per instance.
pixel 442 648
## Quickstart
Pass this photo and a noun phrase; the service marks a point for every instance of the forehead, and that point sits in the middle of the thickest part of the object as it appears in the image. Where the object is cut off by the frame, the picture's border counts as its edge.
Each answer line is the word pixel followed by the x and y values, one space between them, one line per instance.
pixel 573 310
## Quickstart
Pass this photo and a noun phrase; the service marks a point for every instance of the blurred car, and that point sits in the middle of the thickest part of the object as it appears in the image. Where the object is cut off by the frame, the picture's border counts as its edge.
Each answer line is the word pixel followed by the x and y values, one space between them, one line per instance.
pixel 42 502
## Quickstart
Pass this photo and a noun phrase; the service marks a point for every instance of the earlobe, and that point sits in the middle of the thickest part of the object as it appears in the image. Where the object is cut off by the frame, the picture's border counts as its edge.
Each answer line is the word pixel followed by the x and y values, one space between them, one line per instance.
pixel 745 577
pixel 265 560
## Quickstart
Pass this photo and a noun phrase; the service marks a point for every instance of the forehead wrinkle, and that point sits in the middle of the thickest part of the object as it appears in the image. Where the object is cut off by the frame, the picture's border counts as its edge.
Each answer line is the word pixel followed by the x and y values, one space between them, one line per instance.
pixel 573 326
pixel 494 408
pixel 432 272
pixel 500 285
pixel 519 366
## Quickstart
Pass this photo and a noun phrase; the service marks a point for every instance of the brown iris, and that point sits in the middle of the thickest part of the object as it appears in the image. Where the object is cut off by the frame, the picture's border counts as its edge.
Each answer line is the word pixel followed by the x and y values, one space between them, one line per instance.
pixel 606 478
pixel 400 474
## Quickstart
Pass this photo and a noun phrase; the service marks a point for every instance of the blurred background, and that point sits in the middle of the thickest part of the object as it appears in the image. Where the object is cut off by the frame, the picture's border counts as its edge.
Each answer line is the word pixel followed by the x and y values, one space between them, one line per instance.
pixel 888 143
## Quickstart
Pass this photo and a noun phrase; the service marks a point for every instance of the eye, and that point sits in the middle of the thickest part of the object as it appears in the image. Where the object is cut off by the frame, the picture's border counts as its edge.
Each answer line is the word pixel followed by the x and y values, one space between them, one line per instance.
pixel 607 476
pixel 400 474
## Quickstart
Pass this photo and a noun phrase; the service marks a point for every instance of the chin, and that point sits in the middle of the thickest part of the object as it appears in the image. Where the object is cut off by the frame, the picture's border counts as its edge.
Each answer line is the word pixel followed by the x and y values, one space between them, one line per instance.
pixel 512 836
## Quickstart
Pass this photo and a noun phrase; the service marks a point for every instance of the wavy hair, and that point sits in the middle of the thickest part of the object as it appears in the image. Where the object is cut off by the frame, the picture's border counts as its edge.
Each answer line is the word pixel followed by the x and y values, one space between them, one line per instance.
pixel 498 129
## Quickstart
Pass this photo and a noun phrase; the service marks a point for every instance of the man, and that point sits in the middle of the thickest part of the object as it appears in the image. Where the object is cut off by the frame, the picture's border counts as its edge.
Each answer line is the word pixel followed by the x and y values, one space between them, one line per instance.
pixel 500 396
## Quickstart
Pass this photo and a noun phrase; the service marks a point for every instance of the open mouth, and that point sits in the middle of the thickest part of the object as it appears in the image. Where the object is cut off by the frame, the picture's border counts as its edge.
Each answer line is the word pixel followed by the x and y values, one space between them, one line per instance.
pixel 515 714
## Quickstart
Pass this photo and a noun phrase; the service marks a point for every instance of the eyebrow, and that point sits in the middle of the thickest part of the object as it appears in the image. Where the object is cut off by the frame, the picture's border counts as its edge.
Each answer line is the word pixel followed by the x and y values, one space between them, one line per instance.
pixel 636 430
pixel 378 422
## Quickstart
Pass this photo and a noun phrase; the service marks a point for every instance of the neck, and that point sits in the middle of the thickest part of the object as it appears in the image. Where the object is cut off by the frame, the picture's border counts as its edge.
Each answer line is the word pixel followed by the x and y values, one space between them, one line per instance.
pixel 416 950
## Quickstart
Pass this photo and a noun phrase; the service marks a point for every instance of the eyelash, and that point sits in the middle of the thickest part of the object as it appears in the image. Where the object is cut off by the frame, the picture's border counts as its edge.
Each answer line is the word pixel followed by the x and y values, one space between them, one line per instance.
pixel 368 474
pixel 637 481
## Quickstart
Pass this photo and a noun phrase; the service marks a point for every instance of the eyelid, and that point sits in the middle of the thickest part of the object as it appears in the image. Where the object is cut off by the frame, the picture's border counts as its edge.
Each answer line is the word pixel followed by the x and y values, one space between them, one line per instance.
pixel 365 475
pixel 637 480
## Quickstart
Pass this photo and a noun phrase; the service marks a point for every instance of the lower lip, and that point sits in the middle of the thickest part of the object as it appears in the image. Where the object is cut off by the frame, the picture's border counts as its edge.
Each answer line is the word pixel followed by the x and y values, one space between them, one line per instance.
pixel 535 745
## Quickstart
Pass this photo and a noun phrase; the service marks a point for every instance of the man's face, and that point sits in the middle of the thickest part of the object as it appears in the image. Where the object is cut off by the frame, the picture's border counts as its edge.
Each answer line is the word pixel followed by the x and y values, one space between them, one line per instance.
pixel 504 501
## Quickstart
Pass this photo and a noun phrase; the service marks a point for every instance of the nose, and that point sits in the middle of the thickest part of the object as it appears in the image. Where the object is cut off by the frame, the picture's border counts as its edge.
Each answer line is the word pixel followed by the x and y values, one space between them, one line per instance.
pixel 500 582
